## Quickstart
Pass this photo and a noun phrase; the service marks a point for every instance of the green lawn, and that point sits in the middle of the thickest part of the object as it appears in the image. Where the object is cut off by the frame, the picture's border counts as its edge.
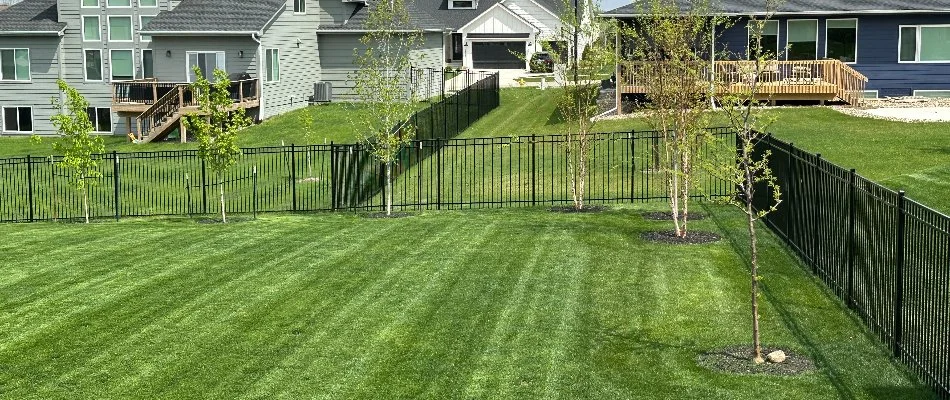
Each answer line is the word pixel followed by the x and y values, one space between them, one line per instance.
pixel 480 304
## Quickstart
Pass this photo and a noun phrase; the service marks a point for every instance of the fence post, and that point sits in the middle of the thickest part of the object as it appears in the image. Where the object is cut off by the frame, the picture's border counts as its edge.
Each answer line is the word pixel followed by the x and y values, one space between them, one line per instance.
pixel 534 172
pixel 852 182
pixel 334 171
pixel 29 180
pixel 188 189
pixel 899 277
pixel 438 173
pixel 633 163
pixel 788 189
pixel 204 187
pixel 293 177
pixel 254 172
pixel 115 184
pixel 816 219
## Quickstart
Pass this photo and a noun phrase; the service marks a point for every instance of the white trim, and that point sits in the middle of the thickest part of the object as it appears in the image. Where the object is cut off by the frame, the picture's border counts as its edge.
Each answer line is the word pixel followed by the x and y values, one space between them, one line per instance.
pixel 142 62
pixel 304 12
pixel 900 29
pixel 542 7
pixel 856 23
pixel 98 4
pixel 102 74
pixel 117 7
pixel 111 64
pixel 788 44
pixel 877 94
pixel 778 34
pixel 109 28
pixel 29 57
pixel 932 91
pixel 267 64
pixel 188 54
pixel 804 13
pixel 98 25
pixel 3 119
pixel 499 5
pixel 142 25
pixel 95 125
pixel 141 6
pixel 351 31
pixel 451 5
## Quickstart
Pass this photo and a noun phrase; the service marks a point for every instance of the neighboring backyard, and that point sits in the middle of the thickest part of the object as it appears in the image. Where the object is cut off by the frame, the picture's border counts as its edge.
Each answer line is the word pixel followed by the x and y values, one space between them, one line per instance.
pixel 480 304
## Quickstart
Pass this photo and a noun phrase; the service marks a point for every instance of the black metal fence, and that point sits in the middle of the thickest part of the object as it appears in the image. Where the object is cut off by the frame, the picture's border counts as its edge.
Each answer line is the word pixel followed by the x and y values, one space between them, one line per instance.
pixel 430 174
pixel 886 256
pixel 479 93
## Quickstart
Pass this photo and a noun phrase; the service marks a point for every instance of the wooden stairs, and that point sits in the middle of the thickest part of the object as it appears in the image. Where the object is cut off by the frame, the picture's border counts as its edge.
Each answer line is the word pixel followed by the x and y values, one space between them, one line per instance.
pixel 165 114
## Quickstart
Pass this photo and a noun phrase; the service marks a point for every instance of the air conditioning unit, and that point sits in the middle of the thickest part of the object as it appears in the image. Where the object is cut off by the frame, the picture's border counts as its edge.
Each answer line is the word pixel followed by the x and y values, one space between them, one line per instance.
pixel 322 92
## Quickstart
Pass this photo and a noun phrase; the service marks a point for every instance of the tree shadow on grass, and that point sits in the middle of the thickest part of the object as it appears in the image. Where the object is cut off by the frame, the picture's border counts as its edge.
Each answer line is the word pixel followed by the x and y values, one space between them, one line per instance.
pixel 824 366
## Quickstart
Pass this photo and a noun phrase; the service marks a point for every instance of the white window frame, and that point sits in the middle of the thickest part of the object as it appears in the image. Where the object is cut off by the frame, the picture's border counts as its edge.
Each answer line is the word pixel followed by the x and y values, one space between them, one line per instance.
pixel 111 66
pixel 141 27
pixel 267 64
pixel 142 62
pixel 143 6
pixel 131 28
pixel 788 44
pixel 95 124
pixel 98 4
pixel 188 54
pixel 778 32
pixel 931 91
pixel 856 36
pixel 3 119
pixel 102 74
pixel 453 7
pixel 304 3
pixel 900 30
pixel 29 57
pixel 116 7
pixel 98 25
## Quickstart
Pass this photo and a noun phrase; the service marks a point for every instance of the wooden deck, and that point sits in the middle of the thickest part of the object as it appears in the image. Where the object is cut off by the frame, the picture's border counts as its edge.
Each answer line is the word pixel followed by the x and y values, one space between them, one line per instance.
pixel 819 80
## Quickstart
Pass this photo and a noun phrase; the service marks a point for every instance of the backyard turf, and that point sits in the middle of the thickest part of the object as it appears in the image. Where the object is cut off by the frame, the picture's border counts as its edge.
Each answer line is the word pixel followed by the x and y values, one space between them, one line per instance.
pixel 477 304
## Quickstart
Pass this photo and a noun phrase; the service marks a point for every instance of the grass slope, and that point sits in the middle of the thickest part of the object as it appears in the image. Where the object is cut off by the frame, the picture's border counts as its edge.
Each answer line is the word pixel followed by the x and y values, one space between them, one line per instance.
pixel 488 304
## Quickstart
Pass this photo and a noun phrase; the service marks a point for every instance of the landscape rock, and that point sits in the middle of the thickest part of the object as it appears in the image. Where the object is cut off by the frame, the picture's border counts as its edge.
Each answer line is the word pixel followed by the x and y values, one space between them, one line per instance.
pixel 776 357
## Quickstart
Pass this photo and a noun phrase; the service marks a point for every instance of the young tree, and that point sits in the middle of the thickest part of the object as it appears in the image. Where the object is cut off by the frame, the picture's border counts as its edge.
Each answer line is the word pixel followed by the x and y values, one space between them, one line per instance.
pixel 579 81
pixel 673 47
pixel 309 127
pixel 216 126
pixel 383 84
pixel 78 145
pixel 747 172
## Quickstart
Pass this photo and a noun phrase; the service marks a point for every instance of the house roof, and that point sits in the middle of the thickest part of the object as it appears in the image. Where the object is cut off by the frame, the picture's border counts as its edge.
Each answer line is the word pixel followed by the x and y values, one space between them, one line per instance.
pixel 419 17
pixel 216 16
pixel 753 7
pixel 435 14
pixel 31 17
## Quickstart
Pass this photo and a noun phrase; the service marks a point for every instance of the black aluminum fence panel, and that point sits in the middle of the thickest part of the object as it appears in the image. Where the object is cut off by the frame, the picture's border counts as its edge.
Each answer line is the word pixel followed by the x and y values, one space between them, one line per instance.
pixel 886 257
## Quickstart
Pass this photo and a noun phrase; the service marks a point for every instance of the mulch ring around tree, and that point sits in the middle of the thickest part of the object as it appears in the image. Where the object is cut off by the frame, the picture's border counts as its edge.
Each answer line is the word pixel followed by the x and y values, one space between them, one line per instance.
pixel 231 220
pixel 667 216
pixel 382 215
pixel 738 360
pixel 693 237
pixel 585 210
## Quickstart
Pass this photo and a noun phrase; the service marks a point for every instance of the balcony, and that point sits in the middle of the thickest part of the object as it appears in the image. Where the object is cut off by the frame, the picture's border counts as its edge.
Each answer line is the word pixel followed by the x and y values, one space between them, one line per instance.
pixel 138 96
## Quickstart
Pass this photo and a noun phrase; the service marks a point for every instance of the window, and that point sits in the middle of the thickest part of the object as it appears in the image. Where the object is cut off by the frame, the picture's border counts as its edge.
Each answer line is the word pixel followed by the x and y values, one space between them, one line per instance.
pixel 144 20
pixel 148 69
pixel 461 4
pixel 90 3
pixel 101 118
pixel 123 65
pixel 300 6
pixel 769 41
pixel 148 3
pixel 273 65
pixel 207 62
pixel 14 64
pixel 841 41
pixel 18 119
pixel 119 3
pixel 120 29
pixel 90 29
pixel 925 43
pixel 93 64
pixel 802 39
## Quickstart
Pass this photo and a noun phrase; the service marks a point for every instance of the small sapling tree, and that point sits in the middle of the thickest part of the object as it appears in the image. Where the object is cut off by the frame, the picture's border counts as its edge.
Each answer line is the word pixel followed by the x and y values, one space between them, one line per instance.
pixel 309 127
pixel 77 144
pixel 215 127
pixel 383 85
pixel 673 48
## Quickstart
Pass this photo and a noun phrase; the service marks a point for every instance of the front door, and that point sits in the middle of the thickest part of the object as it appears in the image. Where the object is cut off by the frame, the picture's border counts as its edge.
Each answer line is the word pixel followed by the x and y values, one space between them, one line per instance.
pixel 457 46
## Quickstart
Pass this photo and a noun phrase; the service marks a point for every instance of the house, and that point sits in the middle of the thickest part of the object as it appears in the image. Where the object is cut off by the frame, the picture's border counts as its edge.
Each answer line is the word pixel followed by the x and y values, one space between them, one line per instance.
pixel 879 47
pixel 133 59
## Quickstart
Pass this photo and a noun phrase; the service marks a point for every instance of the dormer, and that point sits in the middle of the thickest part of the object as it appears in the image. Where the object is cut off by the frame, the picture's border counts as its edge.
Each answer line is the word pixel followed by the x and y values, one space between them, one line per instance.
pixel 463 4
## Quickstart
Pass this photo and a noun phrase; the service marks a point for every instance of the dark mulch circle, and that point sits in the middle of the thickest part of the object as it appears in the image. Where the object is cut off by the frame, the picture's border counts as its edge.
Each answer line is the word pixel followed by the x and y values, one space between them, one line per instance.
pixel 585 210
pixel 666 216
pixel 693 237
pixel 738 360
pixel 382 215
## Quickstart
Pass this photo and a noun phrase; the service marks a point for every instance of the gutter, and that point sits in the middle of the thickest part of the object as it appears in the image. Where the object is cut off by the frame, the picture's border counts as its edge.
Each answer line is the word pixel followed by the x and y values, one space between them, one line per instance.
pixel 324 31
pixel 759 14
pixel 200 33
pixel 33 33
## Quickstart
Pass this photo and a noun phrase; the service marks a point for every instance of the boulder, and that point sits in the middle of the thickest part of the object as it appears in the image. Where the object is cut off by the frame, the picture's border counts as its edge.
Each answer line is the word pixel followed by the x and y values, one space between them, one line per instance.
pixel 776 357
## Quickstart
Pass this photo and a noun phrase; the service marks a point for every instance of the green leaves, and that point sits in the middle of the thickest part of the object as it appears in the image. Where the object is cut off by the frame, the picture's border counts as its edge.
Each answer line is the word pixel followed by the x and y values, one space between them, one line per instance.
pixel 216 125
pixel 78 145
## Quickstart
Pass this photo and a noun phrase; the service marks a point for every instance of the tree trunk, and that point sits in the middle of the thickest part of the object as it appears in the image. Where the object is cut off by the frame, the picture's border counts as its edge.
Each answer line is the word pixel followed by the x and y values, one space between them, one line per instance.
pixel 224 215
pixel 748 191
pixel 85 202
pixel 389 189
pixel 309 166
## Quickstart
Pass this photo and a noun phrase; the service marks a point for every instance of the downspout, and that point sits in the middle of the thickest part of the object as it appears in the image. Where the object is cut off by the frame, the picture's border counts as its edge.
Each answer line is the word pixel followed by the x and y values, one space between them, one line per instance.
pixel 256 37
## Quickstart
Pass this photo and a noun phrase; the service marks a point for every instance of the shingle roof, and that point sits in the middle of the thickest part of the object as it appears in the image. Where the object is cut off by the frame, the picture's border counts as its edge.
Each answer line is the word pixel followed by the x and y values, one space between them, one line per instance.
pixel 435 14
pixel 746 7
pixel 216 16
pixel 34 16
pixel 420 17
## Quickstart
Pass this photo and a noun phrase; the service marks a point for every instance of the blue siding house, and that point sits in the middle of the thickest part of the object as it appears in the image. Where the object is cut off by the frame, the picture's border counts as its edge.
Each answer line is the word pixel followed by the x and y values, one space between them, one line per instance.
pixel 902 47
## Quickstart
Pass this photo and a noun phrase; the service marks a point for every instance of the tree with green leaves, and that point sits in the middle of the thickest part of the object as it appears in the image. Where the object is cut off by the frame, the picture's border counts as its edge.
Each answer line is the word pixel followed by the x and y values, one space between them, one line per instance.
pixel 215 126
pixel 578 74
pixel 77 144
pixel 747 172
pixel 309 126
pixel 383 85
pixel 672 48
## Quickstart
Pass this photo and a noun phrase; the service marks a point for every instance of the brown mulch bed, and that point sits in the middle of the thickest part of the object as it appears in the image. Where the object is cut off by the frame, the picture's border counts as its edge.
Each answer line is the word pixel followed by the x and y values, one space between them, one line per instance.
pixel 585 210
pixel 669 237
pixel 666 216
pixel 738 360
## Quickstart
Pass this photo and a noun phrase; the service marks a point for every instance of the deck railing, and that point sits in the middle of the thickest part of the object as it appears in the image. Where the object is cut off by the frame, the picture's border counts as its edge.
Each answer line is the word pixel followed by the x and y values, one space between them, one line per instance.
pixel 182 96
pixel 819 77
pixel 149 91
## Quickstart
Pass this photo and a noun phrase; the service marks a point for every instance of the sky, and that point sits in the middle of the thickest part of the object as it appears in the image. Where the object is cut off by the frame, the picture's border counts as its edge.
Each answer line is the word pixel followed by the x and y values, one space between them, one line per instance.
pixel 607 5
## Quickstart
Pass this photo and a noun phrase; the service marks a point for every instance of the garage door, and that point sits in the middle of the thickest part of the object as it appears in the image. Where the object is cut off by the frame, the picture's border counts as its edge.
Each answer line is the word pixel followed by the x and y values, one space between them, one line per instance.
pixel 498 55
